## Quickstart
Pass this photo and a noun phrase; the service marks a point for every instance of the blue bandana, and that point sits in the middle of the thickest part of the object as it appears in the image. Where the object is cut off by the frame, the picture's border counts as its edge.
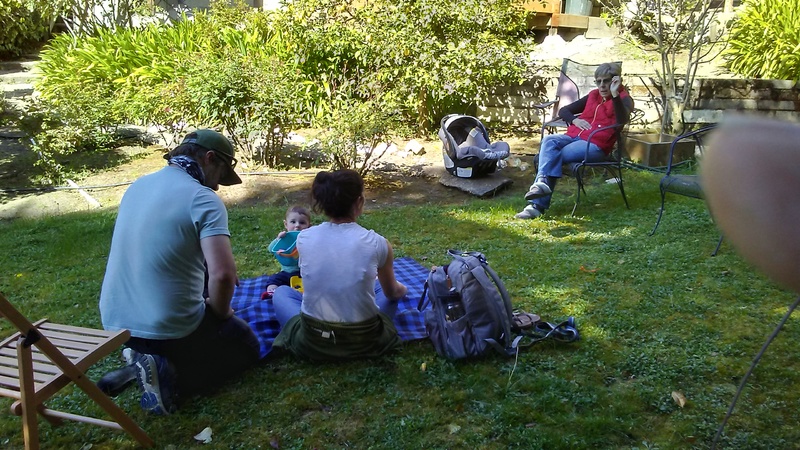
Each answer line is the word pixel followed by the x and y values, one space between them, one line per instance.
pixel 190 166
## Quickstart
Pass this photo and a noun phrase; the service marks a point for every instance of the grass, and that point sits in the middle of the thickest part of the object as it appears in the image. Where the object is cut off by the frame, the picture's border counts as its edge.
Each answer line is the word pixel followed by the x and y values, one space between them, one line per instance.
pixel 657 314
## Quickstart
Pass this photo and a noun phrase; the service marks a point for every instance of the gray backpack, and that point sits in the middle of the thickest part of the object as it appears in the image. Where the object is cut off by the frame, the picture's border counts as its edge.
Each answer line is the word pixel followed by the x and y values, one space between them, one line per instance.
pixel 471 310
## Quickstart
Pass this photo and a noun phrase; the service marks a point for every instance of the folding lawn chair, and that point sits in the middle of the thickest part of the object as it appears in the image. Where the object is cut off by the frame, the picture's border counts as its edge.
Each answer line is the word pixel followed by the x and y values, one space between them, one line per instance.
pixel 574 81
pixel 42 358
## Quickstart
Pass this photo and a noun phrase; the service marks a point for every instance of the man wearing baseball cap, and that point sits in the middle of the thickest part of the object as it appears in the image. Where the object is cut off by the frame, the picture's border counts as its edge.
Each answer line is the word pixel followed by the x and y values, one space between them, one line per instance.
pixel 170 225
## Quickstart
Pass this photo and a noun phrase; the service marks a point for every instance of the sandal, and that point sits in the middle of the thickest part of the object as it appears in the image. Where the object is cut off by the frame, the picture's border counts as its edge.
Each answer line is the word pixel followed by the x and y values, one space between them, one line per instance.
pixel 562 332
pixel 523 320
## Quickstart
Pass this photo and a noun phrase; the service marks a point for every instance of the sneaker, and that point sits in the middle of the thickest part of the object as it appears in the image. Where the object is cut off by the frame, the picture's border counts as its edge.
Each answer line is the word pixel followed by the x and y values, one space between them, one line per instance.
pixel 156 378
pixel 530 212
pixel 130 356
pixel 538 189
pixel 117 381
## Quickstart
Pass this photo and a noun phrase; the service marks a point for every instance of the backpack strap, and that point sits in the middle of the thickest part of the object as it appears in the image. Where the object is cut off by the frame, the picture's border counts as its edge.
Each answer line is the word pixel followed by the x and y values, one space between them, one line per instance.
pixel 422 299
pixel 458 254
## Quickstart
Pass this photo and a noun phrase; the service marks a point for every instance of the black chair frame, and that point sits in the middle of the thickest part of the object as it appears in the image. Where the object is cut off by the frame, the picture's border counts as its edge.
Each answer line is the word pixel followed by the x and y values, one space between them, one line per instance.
pixel 612 165
pixel 683 184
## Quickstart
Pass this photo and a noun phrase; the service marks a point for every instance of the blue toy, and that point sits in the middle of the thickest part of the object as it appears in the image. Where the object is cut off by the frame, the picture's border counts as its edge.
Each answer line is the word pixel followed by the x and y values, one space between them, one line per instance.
pixel 285 249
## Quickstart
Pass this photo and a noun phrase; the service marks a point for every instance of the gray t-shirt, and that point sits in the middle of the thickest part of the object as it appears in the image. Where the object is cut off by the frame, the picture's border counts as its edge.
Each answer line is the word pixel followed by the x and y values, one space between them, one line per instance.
pixel 339 264
pixel 153 284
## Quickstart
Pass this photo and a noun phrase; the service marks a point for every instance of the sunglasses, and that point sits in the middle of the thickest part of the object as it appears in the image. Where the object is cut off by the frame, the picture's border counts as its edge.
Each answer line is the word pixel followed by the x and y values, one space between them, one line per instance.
pixel 602 81
pixel 231 160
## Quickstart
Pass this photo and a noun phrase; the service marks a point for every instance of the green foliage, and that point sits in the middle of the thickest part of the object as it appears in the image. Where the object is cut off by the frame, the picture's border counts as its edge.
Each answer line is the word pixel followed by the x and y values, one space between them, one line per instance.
pixel 434 55
pixel 260 74
pixel 255 97
pixel 358 135
pixel 426 56
pixel 76 111
pixel 117 59
pixel 56 139
pixel 22 24
pixel 765 40
pixel 683 33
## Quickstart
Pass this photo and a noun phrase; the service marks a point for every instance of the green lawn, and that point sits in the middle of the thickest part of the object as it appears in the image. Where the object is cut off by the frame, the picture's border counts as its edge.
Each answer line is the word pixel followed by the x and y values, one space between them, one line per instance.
pixel 656 314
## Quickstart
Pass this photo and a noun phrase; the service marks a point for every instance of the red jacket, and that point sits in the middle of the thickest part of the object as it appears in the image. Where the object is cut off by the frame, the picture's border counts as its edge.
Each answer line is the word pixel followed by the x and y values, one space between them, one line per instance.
pixel 599 112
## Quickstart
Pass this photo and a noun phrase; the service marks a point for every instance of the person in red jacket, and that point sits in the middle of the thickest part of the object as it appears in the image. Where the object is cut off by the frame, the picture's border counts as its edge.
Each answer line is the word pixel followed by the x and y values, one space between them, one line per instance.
pixel 606 105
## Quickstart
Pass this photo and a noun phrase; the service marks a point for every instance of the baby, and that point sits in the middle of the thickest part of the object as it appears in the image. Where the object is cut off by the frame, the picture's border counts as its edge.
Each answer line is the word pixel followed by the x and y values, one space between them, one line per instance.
pixel 297 219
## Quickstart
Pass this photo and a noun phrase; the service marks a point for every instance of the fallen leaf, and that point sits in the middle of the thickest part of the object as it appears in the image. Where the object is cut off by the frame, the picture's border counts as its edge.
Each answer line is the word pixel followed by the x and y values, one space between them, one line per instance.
pixel 679 398
pixel 204 436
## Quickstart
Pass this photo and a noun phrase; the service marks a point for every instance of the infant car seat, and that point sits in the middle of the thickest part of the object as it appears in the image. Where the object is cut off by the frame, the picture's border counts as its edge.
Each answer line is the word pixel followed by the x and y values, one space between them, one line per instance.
pixel 466 148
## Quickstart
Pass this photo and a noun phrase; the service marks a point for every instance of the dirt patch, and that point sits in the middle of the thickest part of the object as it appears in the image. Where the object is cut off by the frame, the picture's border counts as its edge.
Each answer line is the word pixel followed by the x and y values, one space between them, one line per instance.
pixel 400 179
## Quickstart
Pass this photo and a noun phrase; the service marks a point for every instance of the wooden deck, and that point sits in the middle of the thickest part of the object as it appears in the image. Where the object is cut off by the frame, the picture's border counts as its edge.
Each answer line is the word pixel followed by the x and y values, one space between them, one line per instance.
pixel 549 16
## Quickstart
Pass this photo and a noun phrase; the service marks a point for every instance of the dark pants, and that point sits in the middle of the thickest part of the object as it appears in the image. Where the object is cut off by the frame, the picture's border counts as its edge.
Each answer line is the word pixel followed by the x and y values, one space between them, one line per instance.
pixel 281 278
pixel 205 359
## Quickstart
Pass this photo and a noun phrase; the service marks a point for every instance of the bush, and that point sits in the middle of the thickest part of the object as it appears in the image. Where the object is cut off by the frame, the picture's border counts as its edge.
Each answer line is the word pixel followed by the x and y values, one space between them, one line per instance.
pixel 21 26
pixel 256 98
pixel 55 139
pixel 764 40
pixel 258 74
pixel 425 56
pixel 358 135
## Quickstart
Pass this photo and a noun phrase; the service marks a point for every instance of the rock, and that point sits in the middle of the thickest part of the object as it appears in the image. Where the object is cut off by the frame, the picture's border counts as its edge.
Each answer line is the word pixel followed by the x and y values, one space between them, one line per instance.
pixel 414 147
pixel 11 133
pixel 295 139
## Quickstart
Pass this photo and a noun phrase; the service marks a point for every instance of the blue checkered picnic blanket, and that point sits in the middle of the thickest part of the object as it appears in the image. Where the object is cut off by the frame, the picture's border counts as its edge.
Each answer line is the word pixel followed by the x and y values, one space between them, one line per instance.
pixel 260 314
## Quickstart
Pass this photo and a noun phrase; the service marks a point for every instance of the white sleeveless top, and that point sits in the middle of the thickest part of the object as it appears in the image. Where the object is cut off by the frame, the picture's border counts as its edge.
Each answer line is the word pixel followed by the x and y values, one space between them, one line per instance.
pixel 339 264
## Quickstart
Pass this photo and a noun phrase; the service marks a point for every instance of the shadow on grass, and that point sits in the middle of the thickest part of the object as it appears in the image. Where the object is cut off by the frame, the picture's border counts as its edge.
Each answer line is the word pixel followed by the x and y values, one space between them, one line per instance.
pixel 22 174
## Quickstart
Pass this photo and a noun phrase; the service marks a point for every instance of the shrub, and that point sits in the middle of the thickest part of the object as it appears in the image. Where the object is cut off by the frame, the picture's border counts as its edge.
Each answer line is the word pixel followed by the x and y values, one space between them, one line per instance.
pixel 358 135
pixel 21 25
pixel 255 97
pixel 423 56
pixel 200 72
pixel 54 140
pixel 258 74
pixel 433 57
pixel 765 39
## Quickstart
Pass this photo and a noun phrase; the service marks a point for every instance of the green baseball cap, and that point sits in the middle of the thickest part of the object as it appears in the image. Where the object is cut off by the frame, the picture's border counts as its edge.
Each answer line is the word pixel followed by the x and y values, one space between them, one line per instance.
pixel 219 144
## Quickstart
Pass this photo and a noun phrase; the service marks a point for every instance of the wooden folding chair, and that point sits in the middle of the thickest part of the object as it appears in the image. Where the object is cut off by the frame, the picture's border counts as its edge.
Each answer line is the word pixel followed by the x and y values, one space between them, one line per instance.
pixel 42 358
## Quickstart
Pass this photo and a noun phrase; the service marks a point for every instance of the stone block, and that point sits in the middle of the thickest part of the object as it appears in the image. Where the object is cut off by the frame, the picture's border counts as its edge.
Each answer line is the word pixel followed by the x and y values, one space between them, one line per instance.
pixel 480 187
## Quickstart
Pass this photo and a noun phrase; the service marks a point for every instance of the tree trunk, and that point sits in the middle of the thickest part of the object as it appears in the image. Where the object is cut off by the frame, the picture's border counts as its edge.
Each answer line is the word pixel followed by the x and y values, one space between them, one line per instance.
pixel 672 122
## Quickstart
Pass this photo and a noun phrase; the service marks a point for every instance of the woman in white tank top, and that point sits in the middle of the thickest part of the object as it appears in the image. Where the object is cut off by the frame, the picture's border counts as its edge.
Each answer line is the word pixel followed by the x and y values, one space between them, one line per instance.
pixel 337 316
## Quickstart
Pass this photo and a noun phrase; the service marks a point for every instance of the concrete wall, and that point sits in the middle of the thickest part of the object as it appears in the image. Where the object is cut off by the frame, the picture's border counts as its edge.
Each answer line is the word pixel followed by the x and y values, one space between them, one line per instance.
pixel 713 98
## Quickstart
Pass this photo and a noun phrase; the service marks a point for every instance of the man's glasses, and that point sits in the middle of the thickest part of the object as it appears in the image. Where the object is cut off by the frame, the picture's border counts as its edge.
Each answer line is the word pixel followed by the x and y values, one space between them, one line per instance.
pixel 233 160
pixel 606 81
